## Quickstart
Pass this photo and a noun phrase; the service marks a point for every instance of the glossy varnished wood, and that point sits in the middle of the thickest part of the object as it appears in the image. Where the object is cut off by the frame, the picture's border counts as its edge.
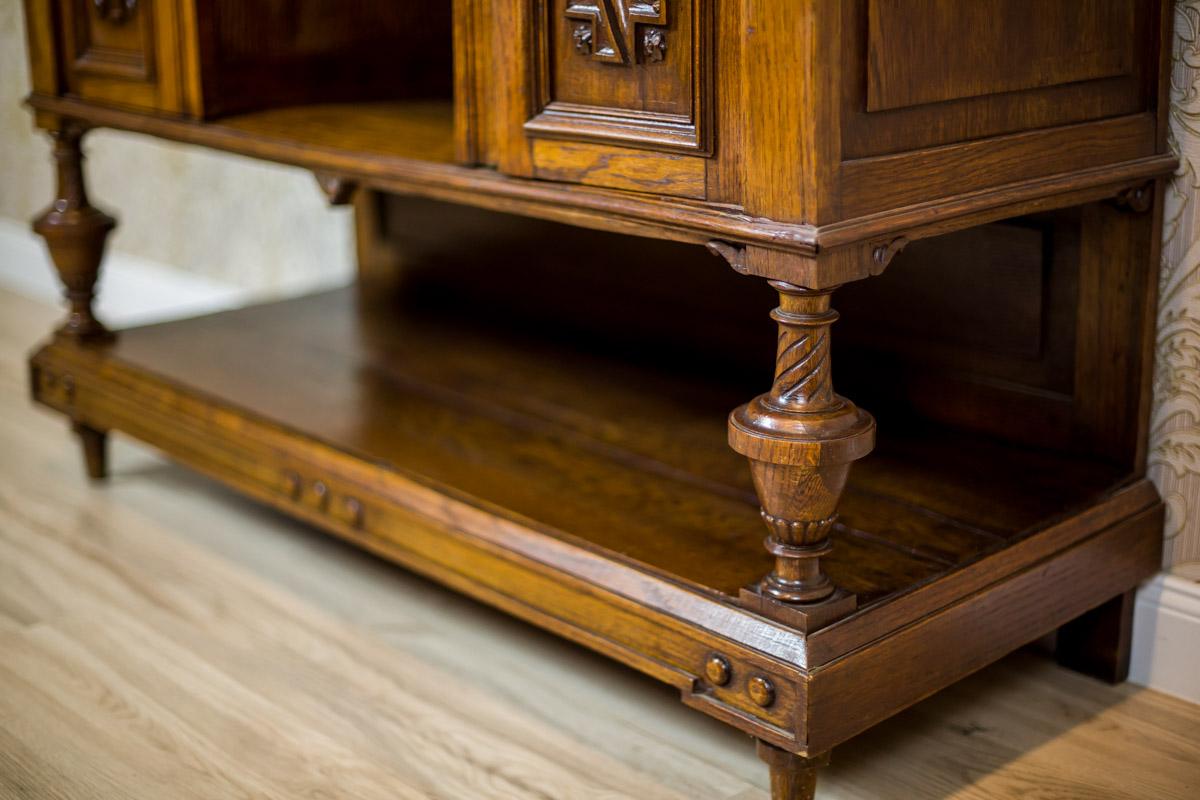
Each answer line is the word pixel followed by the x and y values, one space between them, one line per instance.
pixel 319 623
pixel 442 444
pixel 401 170
pixel 496 413
pixel 576 475
pixel 1100 643
pixel 414 130
pixel 75 232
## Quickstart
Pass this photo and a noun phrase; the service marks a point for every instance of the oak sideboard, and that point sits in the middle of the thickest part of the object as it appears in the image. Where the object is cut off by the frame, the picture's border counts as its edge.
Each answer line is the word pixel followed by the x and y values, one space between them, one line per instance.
pixel 586 374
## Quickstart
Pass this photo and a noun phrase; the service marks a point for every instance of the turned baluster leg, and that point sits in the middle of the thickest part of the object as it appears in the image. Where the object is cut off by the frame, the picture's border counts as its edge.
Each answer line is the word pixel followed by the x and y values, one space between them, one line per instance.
pixel 801 439
pixel 75 234
pixel 793 777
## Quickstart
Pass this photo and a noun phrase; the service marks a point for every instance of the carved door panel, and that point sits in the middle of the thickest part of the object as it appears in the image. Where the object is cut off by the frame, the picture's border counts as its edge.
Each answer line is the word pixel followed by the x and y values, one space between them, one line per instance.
pixel 123 52
pixel 621 93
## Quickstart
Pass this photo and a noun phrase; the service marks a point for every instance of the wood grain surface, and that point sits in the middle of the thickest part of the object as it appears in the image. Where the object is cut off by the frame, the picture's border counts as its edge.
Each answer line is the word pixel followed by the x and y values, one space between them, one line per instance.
pixel 162 637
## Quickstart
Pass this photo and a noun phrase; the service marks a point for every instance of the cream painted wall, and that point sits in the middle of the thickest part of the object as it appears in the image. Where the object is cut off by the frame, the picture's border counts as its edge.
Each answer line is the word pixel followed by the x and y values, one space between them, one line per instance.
pixel 260 227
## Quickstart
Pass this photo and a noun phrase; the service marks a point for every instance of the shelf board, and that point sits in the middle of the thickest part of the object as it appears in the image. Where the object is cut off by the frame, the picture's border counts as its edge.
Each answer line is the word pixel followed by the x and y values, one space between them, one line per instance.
pixel 420 130
pixel 623 459
pixel 593 493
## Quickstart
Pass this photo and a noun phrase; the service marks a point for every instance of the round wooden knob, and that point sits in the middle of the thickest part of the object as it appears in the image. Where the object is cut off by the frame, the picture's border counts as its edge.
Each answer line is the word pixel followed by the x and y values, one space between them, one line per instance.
pixel 761 691
pixel 320 494
pixel 717 670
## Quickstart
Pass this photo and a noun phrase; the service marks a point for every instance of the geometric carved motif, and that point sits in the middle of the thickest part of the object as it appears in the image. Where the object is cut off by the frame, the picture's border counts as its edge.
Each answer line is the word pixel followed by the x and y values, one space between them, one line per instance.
pixel 608 29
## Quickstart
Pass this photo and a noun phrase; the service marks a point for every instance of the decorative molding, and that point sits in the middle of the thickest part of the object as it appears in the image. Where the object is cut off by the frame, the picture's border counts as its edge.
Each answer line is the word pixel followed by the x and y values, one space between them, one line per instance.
pixel 582 36
pixel 607 29
pixel 803 533
pixel 883 254
pixel 135 62
pixel 633 34
pixel 735 255
pixel 654 45
pixel 116 12
pixel 1136 199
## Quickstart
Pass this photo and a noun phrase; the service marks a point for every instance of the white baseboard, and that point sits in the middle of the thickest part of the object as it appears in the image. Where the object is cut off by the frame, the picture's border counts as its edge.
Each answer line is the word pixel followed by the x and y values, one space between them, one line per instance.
pixel 1166 637
pixel 134 291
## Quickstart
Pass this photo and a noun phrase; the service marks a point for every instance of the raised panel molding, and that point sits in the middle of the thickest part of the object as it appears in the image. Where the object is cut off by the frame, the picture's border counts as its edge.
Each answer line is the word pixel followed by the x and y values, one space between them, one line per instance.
pixel 1058 42
pixel 112 43
pixel 633 72
pixel 609 31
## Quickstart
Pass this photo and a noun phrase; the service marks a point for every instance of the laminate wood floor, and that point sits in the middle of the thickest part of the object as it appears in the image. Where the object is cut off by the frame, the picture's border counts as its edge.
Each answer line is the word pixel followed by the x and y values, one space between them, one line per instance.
pixel 162 638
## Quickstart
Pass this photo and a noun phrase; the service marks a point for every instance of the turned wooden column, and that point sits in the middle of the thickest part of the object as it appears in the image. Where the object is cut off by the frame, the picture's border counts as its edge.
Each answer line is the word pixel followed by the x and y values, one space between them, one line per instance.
pixel 793 777
pixel 800 438
pixel 75 233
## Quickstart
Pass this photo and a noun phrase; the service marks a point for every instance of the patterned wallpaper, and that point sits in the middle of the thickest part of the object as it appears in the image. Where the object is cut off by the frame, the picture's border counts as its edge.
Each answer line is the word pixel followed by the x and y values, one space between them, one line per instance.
pixel 1175 425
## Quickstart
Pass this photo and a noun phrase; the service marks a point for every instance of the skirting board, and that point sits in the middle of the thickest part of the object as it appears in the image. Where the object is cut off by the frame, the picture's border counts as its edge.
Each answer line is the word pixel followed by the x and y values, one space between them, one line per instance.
pixel 1166 645
pixel 1166 637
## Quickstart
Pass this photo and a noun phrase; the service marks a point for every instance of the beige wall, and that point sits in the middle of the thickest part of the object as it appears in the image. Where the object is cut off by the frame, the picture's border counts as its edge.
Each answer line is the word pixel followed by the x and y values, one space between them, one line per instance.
pixel 258 226
pixel 267 229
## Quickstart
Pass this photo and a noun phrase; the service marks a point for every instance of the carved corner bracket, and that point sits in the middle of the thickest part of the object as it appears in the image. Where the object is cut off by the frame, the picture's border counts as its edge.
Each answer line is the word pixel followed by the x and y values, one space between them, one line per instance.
pixel 1136 199
pixel 882 254
pixel 338 189
pixel 821 268
pixel 734 255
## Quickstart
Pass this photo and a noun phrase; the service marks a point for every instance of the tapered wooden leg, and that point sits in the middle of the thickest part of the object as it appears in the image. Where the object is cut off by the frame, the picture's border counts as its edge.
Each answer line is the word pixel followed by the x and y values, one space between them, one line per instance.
pixel 793 777
pixel 801 439
pixel 1099 643
pixel 95 450
pixel 75 233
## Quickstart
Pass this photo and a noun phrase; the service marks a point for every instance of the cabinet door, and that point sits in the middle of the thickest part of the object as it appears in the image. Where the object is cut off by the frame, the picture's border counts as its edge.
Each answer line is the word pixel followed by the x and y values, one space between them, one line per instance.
pixel 123 52
pixel 619 93
pixel 973 78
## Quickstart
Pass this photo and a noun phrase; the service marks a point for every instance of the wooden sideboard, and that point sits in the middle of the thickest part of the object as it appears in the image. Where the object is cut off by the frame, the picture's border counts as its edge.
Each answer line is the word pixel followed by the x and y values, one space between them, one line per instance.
pixel 545 392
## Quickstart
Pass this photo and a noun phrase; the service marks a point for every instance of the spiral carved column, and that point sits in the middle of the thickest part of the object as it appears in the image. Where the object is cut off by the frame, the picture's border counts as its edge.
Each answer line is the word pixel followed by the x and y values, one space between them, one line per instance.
pixel 800 438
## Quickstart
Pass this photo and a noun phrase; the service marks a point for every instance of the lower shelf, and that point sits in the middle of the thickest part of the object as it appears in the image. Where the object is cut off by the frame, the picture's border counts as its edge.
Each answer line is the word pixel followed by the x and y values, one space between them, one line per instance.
pixel 596 496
